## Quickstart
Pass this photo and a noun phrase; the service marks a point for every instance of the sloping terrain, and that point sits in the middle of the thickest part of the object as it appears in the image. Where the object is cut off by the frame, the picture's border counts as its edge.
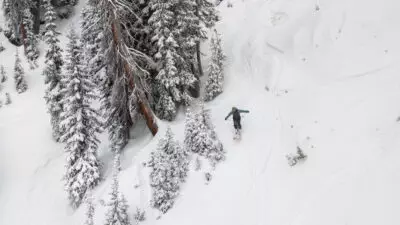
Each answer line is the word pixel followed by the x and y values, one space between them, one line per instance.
pixel 322 75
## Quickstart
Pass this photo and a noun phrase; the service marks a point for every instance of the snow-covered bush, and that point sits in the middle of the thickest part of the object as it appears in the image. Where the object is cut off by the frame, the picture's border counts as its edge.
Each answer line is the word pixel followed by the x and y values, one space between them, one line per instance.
pixel 140 215
pixel 293 159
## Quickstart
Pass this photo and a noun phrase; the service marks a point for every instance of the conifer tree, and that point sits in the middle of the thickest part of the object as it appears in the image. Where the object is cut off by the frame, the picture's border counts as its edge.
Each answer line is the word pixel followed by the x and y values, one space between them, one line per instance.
pixel 206 12
pixel 169 163
pixel 190 129
pixel 175 76
pixel 166 107
pixel 113 91
pixel 3 74
pixel 163 21
pixel 31 39
pixel 1 47
pixel 189 32
pixel 190 29
pixel 92 34
pixel 214 84
pixel 19 75
pixel 201 138
pixel 117 213
pixel 52 71
pixel 90 211
pixel 12 11
pixel 81 125
pixel 215 152
pixel 8 99
pixel 207 16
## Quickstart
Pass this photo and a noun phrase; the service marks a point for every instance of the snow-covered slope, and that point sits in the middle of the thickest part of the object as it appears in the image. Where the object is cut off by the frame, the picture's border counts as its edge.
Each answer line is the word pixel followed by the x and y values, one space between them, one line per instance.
pixel 325 80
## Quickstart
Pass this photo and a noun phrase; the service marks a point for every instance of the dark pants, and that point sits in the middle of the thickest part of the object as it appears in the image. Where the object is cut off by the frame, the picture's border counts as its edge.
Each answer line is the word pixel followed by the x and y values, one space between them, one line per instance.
pixel 236 124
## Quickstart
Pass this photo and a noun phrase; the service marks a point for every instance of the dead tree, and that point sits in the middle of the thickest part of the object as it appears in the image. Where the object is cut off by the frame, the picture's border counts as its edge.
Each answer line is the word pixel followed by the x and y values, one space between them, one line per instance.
pixel 129 58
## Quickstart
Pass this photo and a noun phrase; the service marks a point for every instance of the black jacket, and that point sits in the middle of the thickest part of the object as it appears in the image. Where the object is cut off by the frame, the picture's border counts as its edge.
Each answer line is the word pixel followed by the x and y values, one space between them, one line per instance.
pixel 236 113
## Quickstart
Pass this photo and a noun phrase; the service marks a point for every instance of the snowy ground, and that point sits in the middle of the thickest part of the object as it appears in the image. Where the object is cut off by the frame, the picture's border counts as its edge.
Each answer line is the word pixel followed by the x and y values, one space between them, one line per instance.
pixel 333 89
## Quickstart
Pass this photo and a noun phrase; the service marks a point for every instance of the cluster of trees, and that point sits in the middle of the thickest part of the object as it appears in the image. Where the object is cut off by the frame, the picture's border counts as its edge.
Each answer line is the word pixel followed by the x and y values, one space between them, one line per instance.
pixel 20 12
pixel 170 161
pixel 24 19
pixel 117 206
pixel 135 57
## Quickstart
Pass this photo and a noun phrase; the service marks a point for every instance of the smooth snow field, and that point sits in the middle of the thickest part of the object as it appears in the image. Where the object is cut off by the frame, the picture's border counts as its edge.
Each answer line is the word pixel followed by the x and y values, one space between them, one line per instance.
pixel 322 75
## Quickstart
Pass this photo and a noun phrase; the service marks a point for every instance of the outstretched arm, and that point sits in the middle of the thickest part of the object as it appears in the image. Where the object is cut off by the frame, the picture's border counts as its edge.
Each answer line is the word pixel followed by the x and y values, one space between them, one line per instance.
pixel 230 113
pixel 243 111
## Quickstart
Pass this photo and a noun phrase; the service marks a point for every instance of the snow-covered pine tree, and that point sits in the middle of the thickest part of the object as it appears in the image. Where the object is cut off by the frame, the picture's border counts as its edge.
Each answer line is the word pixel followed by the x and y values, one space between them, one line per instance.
pixel 214 84
pixel 117 213
pixel 30 39
pixel 201 138
pixel 81 124
pixel 66 2
pixel 19 75
pixel 163 22
pixel 52 71
pixel 113 91
pixel 169 163
pixel 216 152
pixel 89 211
pixel 92 34
pixel 53 53
pixel 8 99
pixel 166 107
pixel 140 215
pixel 1 47
pixel 207 15
pixel 190 130
pixel 12 12
pixel 188 33
pixel 3 74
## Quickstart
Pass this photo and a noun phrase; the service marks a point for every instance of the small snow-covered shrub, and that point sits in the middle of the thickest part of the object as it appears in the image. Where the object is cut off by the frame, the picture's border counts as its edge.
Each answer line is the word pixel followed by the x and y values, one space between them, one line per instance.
pixel 208 177
pixel 293 159
pixel 140 215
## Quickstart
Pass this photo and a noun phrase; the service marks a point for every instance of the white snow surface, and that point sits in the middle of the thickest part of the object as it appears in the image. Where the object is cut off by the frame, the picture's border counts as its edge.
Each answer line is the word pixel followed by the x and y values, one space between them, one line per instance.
pixel 333 89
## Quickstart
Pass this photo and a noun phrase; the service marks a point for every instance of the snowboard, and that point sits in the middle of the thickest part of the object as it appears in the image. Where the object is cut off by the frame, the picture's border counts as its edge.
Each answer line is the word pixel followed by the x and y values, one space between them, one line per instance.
pixel 237 135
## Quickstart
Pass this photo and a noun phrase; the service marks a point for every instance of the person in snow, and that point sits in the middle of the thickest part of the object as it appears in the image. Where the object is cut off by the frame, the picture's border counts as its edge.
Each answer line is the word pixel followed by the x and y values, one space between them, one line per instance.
pixel 236 117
